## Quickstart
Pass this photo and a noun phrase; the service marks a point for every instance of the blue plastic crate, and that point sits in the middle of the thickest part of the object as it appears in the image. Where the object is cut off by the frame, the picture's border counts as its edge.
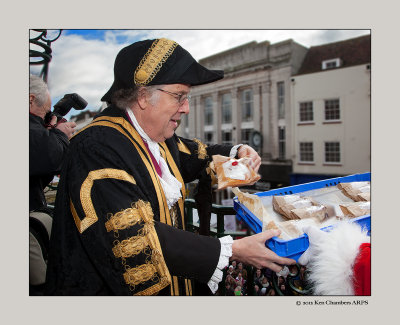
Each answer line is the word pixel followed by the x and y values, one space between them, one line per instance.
pixel 293 248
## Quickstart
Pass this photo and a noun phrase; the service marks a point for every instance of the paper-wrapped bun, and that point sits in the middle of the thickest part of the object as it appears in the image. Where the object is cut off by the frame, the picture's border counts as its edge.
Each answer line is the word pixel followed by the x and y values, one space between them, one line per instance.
pixel 356 209
pixel 234 172
pixel 315 211
pixel 303 206
pixel 353 189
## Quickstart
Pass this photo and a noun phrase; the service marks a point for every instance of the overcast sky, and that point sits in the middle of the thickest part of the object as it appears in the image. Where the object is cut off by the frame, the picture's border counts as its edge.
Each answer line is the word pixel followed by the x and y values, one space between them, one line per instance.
pixel 82 60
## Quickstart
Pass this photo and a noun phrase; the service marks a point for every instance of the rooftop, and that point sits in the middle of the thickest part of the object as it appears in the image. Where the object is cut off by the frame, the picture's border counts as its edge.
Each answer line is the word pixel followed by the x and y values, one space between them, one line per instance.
pixel 351 52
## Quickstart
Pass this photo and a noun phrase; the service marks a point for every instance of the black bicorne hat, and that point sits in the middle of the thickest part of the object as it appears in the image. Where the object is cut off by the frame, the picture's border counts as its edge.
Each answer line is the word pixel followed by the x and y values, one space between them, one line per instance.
pixel 157 62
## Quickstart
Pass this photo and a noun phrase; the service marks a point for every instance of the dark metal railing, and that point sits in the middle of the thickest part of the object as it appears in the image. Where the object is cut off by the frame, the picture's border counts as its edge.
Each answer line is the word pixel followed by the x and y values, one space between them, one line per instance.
pixel 41 56
pixel 221 211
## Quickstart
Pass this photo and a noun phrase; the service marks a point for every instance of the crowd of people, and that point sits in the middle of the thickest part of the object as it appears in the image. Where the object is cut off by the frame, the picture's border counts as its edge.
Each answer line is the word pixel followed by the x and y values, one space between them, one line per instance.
pixel 237 280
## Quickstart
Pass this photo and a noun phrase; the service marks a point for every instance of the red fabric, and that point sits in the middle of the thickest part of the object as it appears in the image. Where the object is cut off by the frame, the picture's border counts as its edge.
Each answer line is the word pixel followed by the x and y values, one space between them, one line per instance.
pixel 362 271
pixel 155 163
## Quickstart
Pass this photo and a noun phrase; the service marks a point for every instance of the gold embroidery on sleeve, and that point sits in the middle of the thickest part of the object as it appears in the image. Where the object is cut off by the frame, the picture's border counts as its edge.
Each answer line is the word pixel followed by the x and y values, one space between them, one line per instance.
pixel 130 247
pixel 201 151
pixel 85 195
pixel 142 273
pixel 129 217
pixel 146 241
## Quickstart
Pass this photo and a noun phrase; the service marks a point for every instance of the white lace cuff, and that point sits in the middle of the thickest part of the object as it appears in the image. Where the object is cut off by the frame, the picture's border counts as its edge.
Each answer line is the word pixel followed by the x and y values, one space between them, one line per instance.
pixel 234 150
pixel 226 252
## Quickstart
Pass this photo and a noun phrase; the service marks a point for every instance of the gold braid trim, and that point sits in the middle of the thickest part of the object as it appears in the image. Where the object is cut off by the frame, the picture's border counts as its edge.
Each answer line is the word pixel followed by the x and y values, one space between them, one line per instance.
pixel 141 211
pixel 145 211
pixel 142 273
pixel 129 217
pixel 145 241
pixel 146 272
pixel 151 63
pixel 130 247
pixel 85 195
pixel 201 150
pixel 176 285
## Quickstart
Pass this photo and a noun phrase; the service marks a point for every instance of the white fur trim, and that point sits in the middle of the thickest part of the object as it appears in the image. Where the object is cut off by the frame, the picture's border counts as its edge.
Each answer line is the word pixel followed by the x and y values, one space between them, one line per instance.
pixel 331 267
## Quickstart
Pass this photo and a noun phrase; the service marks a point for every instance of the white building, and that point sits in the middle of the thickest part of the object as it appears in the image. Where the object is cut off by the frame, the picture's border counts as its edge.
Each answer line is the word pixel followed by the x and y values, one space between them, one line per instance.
pixel 311 107
pixel 253 96
pixel 331 111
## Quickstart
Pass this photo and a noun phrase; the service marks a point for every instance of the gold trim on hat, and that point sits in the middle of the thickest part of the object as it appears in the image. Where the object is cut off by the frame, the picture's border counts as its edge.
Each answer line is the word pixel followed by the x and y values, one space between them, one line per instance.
pixel 153 60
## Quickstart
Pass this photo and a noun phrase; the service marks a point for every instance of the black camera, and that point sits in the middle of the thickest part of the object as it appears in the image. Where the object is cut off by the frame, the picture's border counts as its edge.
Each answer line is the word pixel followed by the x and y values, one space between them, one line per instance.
pixel 63 106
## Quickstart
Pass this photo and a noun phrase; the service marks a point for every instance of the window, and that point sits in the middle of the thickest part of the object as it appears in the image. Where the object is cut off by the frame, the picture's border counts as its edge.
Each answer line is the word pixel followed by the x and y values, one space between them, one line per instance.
pixel 246 136
pixel 306 112
pixel 208 138
pixel 227 137
pixel 332 109
pixel 332 152
pixel 226 103
pixel 282 142
pixel 281 99
pixel 247 105
pixel 208 111
pixel 331 64
pixel 306 152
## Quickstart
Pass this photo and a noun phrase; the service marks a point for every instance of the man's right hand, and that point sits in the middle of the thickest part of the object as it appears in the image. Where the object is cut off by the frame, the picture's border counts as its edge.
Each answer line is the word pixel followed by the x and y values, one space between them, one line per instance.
pixel 251 250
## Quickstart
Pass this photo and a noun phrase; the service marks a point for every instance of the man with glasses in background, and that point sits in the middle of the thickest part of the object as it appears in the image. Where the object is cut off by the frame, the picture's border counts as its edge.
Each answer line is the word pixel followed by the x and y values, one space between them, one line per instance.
pixel 119 221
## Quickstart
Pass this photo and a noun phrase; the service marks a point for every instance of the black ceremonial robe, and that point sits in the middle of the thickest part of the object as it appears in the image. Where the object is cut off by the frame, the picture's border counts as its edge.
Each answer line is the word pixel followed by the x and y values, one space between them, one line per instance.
pixel 113 233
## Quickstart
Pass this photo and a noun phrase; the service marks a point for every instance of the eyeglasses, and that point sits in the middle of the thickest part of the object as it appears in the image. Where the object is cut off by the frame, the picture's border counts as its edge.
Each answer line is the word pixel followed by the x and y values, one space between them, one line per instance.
pixel 180 97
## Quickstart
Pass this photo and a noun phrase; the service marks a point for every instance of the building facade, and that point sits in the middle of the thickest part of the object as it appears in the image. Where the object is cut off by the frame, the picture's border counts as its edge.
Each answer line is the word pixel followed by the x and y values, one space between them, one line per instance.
pixel 311 107
pixel 252 100
pixel 332 111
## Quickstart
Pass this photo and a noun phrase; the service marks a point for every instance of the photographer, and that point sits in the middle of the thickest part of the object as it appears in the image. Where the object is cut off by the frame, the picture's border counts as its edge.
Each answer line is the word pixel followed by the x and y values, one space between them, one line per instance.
pixel 47 147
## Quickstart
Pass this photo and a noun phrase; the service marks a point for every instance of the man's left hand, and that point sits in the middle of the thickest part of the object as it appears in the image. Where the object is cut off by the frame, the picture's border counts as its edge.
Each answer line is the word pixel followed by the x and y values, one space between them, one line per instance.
pixel 247 151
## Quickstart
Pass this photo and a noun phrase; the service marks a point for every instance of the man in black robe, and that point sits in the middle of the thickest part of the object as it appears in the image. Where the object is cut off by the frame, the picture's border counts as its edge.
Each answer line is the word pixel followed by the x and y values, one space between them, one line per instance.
pixel 119 220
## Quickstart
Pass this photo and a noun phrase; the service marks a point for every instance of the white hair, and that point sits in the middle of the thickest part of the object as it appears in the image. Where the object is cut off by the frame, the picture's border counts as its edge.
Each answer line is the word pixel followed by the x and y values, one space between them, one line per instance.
pixel 38 88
